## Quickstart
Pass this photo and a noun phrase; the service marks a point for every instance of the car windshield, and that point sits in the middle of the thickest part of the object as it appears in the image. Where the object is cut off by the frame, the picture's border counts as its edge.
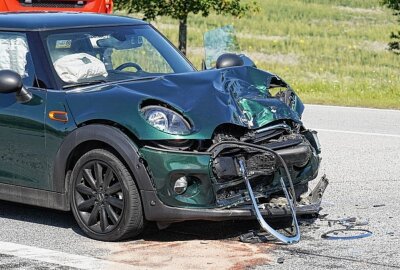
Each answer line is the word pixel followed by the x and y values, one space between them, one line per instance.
pixel 108 54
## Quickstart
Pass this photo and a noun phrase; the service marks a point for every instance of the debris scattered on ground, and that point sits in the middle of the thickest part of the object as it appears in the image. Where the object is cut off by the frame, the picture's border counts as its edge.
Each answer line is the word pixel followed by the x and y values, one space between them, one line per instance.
pixel 350 230
pixel 307 222
pixel 346 234
pixel 322 216
pixel 254 237
pixel 348 222
pixel 280 260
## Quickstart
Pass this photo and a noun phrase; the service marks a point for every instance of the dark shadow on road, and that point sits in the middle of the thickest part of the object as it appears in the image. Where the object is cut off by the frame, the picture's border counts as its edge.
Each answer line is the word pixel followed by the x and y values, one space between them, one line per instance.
pixel 189 230
pixel 199 230
pixel 207 230
pixel 38 215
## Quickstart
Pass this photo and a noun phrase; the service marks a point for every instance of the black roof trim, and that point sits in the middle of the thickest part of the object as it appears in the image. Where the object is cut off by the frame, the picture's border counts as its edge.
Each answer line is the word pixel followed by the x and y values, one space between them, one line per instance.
pixel 65 28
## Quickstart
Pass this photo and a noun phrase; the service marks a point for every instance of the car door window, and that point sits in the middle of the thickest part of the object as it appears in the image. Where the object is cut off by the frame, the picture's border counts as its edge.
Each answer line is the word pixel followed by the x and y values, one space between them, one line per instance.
pixel 15 56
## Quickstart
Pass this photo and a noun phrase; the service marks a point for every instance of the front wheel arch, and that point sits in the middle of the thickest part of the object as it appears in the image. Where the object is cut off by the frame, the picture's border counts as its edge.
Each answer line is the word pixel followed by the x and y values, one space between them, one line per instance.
pixel 108 136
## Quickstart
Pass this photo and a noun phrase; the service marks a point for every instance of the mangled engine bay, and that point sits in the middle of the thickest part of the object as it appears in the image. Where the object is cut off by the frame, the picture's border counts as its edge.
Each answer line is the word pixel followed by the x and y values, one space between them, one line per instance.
pixel 262 164
pixel 247 168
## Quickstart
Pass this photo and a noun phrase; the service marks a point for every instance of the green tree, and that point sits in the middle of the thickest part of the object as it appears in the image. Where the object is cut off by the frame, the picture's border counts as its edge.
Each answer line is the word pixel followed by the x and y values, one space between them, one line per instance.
pixel 180 9
pixel 394 45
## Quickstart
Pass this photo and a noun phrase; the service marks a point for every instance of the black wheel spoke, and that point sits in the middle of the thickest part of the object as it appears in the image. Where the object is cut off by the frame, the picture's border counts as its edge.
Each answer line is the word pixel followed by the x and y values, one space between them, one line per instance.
pixel 116 202
pixel 86 205
pixel 93 218
pixel 114 189
pixel 108 177
pixel 103 219
pixel 111 214
pixel 98 172
pixel 87 174
pixel 81 188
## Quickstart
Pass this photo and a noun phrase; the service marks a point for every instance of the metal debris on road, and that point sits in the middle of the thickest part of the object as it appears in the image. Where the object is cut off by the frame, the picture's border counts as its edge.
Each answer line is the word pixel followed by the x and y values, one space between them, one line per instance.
pixel 254 237
pixel 280 260
pixel 346 234
pixel 350 232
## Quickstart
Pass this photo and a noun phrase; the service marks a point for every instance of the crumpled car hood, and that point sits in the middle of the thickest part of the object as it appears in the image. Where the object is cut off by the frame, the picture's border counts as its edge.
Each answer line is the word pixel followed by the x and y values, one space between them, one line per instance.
pixel 208 99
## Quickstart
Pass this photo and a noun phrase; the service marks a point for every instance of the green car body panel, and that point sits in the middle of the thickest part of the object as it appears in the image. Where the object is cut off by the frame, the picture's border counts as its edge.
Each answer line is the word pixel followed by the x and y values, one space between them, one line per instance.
pixel 22 148
pixel 208 99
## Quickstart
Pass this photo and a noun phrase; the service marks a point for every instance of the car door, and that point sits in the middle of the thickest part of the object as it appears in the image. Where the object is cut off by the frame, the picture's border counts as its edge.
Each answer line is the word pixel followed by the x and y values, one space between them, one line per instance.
pixel 22 136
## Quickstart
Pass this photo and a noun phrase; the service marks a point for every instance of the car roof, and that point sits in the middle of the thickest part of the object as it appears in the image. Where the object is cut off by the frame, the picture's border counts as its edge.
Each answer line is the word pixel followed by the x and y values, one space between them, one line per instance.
pixel 36 21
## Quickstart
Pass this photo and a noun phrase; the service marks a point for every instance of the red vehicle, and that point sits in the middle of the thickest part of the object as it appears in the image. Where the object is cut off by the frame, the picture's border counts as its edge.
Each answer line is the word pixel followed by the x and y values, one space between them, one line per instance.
pixel 97 6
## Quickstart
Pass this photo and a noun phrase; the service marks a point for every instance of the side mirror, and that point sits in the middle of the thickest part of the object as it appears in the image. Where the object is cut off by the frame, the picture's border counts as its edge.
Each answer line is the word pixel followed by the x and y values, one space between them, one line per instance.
pixel 11 82
pixel 229 60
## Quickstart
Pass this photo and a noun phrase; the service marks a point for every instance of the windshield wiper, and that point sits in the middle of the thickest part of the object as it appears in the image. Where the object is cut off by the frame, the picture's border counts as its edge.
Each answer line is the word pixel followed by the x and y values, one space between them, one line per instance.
pixel 88 83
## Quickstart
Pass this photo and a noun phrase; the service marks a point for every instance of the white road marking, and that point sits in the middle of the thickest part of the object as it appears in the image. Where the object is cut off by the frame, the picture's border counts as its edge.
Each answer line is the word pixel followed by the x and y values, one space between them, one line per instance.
pixel 358 132
pixel 355 108
pixel 61 258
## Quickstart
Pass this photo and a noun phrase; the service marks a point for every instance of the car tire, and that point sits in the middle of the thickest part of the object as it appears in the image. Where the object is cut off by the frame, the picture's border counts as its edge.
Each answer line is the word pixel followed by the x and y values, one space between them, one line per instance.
pixel 104 198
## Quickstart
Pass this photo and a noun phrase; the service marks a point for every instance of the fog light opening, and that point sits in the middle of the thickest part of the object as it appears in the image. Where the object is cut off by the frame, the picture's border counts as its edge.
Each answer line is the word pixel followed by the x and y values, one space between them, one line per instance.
pixel 181 185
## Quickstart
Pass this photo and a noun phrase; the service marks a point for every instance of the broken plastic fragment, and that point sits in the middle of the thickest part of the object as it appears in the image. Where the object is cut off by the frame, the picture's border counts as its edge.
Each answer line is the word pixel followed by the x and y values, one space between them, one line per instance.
pixel 283 238
pixel 346 234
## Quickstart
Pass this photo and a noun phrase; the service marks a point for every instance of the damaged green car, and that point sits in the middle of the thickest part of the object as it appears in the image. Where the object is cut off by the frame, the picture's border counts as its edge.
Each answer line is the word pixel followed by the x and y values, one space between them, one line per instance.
pixel 101 115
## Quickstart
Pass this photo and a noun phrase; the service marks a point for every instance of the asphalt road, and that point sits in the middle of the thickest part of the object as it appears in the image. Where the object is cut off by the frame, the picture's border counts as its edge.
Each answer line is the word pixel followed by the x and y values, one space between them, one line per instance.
pixel 361 157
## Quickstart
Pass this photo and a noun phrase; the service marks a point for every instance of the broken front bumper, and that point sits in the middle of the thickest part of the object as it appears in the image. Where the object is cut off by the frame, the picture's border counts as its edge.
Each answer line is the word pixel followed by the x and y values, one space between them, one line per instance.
pixel 156 210
pixel 200 201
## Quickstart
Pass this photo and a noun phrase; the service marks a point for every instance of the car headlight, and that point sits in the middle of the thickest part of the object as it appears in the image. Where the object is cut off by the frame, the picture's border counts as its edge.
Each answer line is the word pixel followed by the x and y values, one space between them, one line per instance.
pixel 166 120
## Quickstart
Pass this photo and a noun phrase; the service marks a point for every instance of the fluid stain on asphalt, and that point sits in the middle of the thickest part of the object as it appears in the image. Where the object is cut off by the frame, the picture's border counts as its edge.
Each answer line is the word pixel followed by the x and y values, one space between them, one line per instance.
pixel 192 245
pixel 191 254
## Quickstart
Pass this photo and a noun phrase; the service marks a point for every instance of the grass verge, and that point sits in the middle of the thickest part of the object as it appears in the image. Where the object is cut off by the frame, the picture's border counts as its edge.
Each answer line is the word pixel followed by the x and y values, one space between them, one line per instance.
pixel 330 51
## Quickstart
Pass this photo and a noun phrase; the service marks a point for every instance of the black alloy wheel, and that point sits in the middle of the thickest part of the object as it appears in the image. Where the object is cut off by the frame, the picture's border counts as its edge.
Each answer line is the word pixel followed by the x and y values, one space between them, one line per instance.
pixel 104 197
pixel 99 197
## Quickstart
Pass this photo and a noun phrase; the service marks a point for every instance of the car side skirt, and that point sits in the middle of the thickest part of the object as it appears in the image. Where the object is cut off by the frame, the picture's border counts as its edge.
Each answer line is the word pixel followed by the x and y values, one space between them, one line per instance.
pixel 36 197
